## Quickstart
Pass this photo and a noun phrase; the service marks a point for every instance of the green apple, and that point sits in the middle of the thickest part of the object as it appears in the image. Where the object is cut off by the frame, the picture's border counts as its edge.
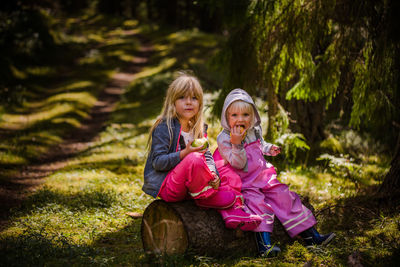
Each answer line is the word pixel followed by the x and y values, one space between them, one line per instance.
pixel 200 142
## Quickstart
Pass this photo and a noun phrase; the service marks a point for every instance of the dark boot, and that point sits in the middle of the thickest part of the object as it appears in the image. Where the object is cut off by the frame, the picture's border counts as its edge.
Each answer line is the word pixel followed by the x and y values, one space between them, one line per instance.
pixel 265 249
pixel 311 237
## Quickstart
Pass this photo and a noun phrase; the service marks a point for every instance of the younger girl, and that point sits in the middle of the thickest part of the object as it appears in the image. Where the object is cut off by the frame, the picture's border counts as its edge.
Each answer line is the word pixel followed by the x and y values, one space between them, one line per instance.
pixel 176 171
pixel 241 150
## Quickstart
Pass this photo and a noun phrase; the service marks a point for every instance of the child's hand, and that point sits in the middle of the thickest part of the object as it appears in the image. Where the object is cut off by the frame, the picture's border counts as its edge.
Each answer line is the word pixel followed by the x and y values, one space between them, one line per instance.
pixel 274 150
pixel 216 182
pixel 189 149
pixel 237 135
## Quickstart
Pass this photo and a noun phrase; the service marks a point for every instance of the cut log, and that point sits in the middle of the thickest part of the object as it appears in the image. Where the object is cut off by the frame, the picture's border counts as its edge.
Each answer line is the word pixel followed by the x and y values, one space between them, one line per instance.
pixel 184 228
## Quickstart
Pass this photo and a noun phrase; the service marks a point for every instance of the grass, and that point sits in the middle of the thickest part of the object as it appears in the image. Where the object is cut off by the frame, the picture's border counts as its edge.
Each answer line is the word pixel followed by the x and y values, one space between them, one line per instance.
pixel 78 216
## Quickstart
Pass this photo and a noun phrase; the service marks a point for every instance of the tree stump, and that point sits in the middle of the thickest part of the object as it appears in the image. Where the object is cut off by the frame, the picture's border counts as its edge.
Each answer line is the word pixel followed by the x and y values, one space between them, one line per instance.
pixel 184 228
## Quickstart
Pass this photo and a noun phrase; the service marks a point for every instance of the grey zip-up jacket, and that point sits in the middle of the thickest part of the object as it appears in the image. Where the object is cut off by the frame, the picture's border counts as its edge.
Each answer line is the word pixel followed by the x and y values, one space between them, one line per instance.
pixel 164 156
pixel 236 155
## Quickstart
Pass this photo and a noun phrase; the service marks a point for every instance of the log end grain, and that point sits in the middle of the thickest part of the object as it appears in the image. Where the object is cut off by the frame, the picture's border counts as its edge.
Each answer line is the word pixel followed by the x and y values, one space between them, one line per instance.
pixel 162 230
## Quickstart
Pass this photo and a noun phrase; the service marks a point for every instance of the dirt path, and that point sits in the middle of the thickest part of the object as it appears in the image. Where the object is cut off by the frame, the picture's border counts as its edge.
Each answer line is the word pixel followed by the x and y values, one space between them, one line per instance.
pixel 16 189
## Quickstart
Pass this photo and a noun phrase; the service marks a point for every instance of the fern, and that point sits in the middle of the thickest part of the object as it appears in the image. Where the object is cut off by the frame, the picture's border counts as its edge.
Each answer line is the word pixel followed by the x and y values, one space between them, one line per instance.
pixel 291 143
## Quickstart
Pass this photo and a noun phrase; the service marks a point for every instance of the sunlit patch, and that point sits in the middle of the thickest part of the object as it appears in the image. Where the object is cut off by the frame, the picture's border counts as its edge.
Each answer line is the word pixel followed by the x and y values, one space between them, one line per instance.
pixel 95 37
pixel 19 122
pixel 164 65
pixel 182 36
pixel 160 47
pixel 93 58
pixel 80 39
pixel 129 105
pixel 319 186
pixel 7 157
pixel 40 137
pixel 40 71
pixel 115 43
pixel 18 73
pixel 71 86
pixel 125 155
pixel 130 23
pixel 84 99
pixel 122 55
pixel 70 121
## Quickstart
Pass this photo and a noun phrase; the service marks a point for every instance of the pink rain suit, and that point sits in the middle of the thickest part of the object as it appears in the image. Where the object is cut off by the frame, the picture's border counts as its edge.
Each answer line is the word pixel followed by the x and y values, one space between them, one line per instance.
pixel 265 196
pixel 245 165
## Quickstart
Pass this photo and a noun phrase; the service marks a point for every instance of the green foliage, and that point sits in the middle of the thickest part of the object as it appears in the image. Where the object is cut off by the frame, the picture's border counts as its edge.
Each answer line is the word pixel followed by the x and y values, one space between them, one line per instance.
pixel 361 147
pixel 360 172
pixel 316 50
pixel 342 166
pixel 25 33
pixel 332 144
pixel 355 157
pixel 280 126
pixel 291 143
pixel 376 86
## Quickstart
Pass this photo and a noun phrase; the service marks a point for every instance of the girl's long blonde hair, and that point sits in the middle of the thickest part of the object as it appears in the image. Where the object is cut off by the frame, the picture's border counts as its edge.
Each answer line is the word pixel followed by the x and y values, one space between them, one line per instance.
pixel 184 84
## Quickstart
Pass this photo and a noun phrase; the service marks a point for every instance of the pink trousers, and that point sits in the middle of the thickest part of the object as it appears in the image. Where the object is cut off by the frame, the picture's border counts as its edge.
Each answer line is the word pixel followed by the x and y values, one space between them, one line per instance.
pixel 189 179
pixel 264 195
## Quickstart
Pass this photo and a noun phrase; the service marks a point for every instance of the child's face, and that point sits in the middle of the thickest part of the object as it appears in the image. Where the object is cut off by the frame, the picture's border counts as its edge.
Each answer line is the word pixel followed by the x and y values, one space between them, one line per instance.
pixel 239 118
pixel 187 107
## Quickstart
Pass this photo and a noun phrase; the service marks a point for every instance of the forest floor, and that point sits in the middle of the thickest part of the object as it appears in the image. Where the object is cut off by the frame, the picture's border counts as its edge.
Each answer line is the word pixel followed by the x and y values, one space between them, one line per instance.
pixel 26 180
pixel 72 157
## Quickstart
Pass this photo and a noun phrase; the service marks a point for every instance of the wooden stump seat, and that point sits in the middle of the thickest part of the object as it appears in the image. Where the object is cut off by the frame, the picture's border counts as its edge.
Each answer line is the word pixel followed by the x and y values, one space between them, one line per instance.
pixel 183 227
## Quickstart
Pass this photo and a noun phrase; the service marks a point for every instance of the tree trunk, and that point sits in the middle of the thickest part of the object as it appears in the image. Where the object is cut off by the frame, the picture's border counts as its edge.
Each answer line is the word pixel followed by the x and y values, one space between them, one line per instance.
pixel 272 132
pixel 309 118
pixel 391 184
pixel 182 227
pixel 149 9
pixel 171 12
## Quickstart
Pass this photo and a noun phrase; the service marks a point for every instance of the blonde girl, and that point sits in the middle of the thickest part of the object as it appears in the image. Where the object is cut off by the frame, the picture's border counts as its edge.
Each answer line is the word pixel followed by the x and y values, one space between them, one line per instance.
pixel 175 170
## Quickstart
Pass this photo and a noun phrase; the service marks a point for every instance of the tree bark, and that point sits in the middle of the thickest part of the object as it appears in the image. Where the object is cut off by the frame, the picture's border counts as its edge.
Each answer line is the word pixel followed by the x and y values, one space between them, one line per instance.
pixel 272 132
pixel 391 183
pixel 309 118
pixel 182 227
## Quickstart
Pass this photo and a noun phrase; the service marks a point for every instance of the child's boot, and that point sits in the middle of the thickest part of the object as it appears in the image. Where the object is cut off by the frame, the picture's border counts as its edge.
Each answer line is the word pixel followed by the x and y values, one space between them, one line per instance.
pixel 311 237
pixel 265 249
pixel 220 200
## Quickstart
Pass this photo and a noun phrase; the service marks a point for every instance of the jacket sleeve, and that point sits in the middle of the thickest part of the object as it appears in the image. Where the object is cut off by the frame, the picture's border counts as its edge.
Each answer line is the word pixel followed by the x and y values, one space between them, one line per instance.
pixel 162 160
pixel 210 162
pixel 264 145
pixel 209 158
pixel 235 155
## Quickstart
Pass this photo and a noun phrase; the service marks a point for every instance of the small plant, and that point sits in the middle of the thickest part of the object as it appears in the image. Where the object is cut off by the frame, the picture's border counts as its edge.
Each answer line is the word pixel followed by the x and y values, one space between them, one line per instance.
pixel 343 167
pixel 291 143
pixel 332 144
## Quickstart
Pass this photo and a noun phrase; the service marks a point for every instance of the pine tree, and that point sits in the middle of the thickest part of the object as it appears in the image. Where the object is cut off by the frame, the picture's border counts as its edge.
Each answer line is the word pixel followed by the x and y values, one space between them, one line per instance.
pixel 311 51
